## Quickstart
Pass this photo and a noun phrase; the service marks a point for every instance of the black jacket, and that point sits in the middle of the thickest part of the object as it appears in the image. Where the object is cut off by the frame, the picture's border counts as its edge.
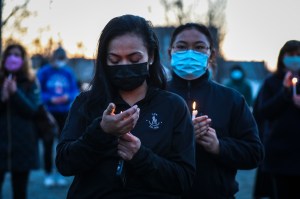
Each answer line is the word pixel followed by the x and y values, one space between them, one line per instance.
pixel 282 144
pixel 163 167
pixel 240 146
pixel 18 138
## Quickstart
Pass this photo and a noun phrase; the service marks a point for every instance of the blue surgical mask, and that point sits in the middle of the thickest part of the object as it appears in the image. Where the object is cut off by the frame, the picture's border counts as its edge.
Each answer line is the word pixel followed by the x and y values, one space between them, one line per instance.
pixel 236 75
pixel 189 64
pixel 292 63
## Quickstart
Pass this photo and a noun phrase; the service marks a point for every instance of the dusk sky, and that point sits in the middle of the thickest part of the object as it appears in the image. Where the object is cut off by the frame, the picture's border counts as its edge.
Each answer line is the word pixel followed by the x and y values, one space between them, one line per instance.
pixel 255 29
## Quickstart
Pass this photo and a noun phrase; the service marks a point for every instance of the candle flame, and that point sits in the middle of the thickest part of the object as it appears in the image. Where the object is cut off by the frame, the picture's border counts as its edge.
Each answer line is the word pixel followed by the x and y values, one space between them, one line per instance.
pixel 194 105
pixel 295 80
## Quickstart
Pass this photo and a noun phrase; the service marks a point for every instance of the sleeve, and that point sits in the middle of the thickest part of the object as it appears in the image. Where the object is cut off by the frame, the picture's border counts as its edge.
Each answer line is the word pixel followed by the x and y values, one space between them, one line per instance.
pixel 81 146
pixel 46 95
pixel 175 173
pixel 274 103
pixel 27 102
pixel 243 149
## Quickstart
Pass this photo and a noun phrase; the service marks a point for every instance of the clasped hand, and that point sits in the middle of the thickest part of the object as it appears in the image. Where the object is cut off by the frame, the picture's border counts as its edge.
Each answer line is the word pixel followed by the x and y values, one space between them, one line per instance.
pixel 120 125
pixel 8 88
pixel 287 83
pixel 205 135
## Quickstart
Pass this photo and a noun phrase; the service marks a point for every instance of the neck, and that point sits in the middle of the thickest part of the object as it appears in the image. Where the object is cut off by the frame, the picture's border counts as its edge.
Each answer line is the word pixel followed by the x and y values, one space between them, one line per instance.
pixel 132 97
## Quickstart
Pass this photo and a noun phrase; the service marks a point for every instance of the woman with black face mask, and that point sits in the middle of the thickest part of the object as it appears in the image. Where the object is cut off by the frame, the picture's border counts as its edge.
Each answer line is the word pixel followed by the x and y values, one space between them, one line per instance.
pixel 225 131
pixel 127 137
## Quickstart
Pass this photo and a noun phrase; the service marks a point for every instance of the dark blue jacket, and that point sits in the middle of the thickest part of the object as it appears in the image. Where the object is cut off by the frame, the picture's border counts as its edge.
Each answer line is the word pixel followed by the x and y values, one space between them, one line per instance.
pixel 163 167
pixel 282 144
pixel 240 146
pixel 18 139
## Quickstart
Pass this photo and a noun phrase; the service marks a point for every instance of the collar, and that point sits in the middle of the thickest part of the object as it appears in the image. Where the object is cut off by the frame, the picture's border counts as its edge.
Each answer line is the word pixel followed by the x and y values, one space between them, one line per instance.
pixel 151 92
pixel 183 83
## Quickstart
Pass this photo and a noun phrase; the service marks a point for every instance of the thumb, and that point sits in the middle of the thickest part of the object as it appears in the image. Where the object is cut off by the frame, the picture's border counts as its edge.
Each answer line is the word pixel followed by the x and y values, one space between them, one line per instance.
pixel 128 137
pixel 110 109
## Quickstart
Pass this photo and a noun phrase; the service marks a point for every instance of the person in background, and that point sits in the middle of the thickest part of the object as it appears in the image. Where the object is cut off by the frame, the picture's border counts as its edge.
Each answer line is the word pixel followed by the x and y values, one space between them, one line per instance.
pixel 20 98
pixel 238 81
pixel 127 137
pixel 225 131
pixel 59 89
pixel 263 183
pixel 280 107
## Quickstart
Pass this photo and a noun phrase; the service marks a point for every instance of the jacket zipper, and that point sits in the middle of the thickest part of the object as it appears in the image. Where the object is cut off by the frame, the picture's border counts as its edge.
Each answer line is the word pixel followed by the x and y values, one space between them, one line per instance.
pixel 9 136
pixel 189 90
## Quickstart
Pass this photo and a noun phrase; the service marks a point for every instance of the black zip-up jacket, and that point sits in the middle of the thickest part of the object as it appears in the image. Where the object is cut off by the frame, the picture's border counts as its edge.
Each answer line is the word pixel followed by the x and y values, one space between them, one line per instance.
pixel 240 146
pixel 18 138
pixel 164 166
pixel 282 143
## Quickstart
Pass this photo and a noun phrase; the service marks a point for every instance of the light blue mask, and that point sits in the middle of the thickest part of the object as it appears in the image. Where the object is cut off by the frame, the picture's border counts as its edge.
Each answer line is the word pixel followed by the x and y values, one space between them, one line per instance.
pixel 292 63
pixel 236 75
pixel 189 64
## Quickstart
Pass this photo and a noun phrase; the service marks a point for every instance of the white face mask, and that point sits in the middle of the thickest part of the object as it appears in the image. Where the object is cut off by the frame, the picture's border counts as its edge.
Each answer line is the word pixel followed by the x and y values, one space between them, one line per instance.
pixel 292 63
pixel 60 64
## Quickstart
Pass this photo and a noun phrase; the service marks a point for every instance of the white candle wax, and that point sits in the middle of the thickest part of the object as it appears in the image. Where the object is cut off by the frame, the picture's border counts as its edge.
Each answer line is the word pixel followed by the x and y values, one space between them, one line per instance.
pixel 195 112
pixel 294 81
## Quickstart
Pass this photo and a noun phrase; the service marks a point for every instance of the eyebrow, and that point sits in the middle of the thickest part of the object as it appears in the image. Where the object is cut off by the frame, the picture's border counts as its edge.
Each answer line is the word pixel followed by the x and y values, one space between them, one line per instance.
pixel 197 42
pixel 131 54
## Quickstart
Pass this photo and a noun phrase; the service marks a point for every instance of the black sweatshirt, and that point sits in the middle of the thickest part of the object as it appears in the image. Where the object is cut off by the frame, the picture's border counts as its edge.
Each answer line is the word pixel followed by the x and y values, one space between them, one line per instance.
pixel 282 142
pixel 240 146
pixel 163 167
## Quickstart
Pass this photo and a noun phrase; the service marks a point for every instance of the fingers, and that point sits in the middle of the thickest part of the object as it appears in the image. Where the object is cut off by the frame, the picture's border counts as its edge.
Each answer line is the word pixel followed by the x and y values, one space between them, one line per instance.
pixel 127 137
pixel 287 81
pixel 201 125
pixel 200 119
pixel 126 114
pixel 128 146
pixel 207 136
pixel 121 123
pixel 110 109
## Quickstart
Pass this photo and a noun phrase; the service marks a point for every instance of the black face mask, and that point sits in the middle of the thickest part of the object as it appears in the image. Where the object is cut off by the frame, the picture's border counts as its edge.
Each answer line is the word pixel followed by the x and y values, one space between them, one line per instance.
pixel 127 77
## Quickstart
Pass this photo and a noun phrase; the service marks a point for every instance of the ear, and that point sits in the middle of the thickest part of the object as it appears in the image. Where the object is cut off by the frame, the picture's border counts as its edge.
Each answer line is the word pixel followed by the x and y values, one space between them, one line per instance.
pixel 169 53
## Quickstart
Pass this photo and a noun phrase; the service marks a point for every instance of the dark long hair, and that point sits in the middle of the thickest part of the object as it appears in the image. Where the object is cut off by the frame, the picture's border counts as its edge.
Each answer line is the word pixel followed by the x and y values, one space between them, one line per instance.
pixel 201 28
pixel 289 46
pixel 26 72
pixel 101 89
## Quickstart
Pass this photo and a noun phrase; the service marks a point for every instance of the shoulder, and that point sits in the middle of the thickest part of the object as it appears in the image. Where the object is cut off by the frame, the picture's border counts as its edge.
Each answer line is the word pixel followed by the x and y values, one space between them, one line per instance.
pixel 225 92
pixel 81 98
pixel 44 68
pixel 68 68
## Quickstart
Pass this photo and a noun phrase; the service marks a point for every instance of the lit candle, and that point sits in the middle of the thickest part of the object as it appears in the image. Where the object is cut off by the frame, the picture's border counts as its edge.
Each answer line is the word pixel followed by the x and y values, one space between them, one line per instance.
pixel 294 81
pixel 195 112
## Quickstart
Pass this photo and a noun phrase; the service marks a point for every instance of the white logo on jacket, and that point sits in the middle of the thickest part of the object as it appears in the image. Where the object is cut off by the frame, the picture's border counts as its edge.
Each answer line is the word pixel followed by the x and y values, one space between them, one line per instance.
pixel 154 124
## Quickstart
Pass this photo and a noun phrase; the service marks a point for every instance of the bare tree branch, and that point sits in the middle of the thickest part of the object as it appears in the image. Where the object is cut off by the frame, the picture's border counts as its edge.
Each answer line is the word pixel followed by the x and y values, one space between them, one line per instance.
pixel 13 12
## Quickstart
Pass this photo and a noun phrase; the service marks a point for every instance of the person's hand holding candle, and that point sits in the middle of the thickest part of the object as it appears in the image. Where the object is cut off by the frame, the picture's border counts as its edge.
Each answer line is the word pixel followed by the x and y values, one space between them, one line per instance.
pixel 195 112
pixel 294 81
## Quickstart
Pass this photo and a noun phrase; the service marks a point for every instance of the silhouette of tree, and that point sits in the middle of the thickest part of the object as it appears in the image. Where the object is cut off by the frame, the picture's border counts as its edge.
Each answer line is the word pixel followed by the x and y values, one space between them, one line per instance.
pixel 15 16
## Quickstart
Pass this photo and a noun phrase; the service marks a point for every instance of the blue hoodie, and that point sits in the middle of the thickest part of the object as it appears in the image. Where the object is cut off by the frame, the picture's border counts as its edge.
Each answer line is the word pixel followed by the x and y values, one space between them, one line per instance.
pixel 57 82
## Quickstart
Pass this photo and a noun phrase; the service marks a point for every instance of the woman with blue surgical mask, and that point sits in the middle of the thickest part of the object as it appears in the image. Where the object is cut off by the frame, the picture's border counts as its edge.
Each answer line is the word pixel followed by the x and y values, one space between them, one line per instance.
pixel 225 131
pixel 280 107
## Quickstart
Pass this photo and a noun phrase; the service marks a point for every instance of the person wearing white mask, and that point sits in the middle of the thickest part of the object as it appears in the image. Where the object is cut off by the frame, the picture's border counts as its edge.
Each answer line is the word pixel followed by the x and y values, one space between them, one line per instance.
pixel 225 131
pixel 59 89
pixel 280 107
